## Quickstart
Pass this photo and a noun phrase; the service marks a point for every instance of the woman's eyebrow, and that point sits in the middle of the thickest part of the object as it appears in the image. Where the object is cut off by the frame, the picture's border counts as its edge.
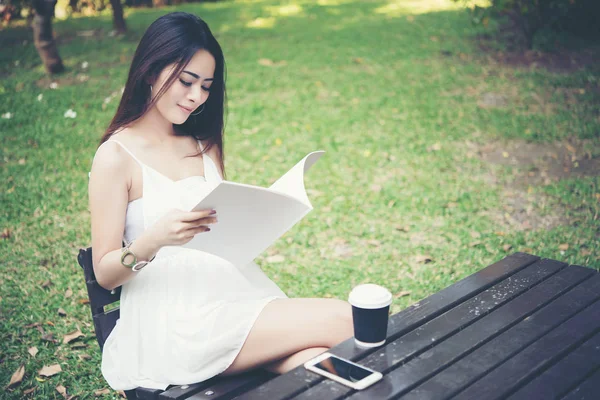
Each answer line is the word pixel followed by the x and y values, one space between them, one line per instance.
pixel 197 76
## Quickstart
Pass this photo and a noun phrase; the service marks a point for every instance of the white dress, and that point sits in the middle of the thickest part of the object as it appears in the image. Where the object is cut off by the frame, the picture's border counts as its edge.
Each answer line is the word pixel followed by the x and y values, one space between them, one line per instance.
pixel 186 315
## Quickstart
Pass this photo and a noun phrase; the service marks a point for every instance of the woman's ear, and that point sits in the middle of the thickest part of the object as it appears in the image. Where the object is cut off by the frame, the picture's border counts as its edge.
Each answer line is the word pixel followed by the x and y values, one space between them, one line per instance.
pixel 151 78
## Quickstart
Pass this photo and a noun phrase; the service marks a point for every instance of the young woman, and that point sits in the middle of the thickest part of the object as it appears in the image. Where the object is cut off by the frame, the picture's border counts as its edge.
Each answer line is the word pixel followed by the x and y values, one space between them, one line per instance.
pixel 186 315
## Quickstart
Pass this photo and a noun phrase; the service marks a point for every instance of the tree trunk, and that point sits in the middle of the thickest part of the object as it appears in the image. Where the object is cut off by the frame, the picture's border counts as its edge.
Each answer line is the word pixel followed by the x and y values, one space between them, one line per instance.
pixel 43 38
pixel 74 5
pixel 118 20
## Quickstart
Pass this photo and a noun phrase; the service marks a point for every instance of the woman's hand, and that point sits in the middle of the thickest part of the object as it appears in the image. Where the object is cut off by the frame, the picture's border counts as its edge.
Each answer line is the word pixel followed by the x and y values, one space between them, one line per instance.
pixel 179 227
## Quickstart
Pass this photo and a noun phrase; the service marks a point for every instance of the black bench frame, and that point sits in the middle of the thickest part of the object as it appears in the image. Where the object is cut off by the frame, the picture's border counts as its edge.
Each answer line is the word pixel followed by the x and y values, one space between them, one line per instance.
pixel 105 320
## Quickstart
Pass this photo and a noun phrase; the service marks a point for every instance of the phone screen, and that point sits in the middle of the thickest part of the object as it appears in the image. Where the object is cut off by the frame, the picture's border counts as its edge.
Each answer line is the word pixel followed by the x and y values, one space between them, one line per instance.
pixel 343 369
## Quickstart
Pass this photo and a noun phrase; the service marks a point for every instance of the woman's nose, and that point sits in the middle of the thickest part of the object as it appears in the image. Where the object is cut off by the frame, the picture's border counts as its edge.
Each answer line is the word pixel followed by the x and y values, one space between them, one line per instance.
pixel 196 94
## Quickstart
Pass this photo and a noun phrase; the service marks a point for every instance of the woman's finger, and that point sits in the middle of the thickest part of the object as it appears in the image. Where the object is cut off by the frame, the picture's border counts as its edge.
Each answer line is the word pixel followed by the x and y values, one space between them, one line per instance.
pixel 201 229
pixel 189 234
pixel 203 221
pixel 191 216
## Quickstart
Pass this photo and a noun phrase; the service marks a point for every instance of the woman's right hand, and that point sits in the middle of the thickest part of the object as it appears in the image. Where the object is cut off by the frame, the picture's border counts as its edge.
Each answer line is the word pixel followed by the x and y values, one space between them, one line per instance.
pixel 178 227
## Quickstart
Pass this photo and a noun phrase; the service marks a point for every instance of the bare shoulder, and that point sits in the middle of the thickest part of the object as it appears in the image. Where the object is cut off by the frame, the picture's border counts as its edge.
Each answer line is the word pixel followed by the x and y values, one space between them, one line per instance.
pixel 110 157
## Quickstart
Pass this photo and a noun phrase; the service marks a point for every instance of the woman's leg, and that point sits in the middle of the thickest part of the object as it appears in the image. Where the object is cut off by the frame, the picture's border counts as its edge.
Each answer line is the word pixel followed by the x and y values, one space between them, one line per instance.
pixel 287 327
pixel 290 362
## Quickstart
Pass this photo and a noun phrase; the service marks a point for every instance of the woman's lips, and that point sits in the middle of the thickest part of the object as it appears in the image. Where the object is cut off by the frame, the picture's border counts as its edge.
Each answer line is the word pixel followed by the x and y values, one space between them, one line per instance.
pixel 187 110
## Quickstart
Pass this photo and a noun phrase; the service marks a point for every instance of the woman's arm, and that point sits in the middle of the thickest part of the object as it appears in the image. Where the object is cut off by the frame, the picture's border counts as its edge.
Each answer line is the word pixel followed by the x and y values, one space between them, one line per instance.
pixel 108 198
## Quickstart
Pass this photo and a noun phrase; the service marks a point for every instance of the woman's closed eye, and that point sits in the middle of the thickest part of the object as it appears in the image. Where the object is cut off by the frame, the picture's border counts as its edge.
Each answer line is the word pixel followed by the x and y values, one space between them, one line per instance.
pixel 188 84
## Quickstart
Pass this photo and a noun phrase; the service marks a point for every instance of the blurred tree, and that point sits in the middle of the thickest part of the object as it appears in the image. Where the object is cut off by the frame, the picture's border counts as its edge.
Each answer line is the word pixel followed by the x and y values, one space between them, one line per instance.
pixel 119 24
pixel 118 20
pixel 43 36
pixel 74 4
pixel 530 17
pixel 11 9
pixel 138 3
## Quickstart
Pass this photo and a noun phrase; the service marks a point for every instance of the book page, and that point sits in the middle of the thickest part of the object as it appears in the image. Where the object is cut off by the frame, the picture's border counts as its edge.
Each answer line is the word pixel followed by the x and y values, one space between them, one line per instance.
pixel 251 218
pixel 292 182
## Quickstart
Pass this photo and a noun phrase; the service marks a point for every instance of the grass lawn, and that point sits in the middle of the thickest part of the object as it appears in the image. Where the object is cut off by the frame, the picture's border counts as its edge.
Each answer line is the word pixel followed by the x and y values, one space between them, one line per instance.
pixel 441 158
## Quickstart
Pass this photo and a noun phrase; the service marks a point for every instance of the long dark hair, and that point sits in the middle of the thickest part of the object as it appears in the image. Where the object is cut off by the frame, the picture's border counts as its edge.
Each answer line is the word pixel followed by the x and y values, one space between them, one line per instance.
pixel 174 39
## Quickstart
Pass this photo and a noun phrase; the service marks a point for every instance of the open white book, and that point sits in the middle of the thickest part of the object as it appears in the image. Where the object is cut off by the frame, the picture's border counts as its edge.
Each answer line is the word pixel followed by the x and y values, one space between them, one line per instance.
pixel 251 218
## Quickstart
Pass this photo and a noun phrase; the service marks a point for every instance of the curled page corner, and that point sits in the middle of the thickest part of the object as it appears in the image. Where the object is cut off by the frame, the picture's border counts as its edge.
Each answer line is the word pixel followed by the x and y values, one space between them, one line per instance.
pixel 251 218
pixel 292 182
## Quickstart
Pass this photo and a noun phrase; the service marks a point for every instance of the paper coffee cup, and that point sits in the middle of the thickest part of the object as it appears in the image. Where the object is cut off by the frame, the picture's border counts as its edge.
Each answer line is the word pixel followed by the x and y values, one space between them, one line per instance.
pixel 370 311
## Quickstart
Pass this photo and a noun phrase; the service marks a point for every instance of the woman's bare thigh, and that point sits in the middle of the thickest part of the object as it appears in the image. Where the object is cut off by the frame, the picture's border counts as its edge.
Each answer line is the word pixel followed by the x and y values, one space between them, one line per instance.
pixel 286 326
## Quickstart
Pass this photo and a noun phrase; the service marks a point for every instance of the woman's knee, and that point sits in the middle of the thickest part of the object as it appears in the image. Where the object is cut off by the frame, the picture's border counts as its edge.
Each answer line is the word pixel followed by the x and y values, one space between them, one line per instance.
pixel 335 319
pixel 343 320
pixel 288 326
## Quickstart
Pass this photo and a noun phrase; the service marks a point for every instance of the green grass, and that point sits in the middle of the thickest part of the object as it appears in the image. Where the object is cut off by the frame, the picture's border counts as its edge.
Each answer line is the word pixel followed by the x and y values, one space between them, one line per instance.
pixel 389 90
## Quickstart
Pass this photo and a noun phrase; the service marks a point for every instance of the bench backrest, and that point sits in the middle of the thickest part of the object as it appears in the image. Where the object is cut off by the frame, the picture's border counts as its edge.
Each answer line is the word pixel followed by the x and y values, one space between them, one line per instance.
pixel 104 321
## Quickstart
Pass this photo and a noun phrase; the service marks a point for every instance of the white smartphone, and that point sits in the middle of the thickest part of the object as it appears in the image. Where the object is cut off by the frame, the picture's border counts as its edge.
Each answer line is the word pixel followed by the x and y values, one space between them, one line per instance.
pixel 343 371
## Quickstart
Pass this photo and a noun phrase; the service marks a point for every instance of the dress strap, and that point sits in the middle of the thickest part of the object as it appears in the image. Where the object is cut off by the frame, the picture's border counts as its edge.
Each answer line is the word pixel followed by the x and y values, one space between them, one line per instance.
pixel 126 149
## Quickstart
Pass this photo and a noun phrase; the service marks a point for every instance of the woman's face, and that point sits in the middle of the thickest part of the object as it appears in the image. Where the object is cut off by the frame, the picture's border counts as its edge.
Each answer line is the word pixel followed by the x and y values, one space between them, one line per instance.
pixel 189 91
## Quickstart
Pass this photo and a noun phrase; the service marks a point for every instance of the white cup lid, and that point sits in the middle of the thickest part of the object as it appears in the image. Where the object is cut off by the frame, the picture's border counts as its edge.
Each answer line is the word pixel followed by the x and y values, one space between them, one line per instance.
pixel 370 296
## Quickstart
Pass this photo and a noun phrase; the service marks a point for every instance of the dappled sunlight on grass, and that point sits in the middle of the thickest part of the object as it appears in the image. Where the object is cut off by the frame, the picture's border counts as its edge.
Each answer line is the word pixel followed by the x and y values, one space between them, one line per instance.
pixel 333 2
pixel 261 23
pixel 401 7
pixel 286 10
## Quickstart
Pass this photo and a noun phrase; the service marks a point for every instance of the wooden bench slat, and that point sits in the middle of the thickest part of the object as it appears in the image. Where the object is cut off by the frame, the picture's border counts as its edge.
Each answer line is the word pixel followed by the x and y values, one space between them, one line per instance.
pixel 325 390
pixel 217 385
pixel 587 390
pixel 101 297
pixel 486 358
pixel 461 339
pixel 103 324
pixel 98 296
pixel 506 312
pixel 526 364
pixel 448 298
pixel 147 393
pixel 565 374
pixel 299 379
pixel 184 391
pixel 508 302
pixel 463 315
pixel 229 387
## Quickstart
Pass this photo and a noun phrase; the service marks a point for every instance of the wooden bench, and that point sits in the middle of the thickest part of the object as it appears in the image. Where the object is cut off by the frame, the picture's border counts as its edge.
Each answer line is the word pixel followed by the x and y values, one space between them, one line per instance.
pixel 523 328
pixel 105 315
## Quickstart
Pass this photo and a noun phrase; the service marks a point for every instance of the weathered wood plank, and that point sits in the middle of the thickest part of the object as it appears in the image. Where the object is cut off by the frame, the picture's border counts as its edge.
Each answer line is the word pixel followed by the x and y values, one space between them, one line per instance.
pixel 179 392
pixel 519 369
pixel 474 367
pixel 298 380
pixel 99 297
pixel 147 394
pixel 565 374
pixel 506 311
pixel 222 388
pixel 454 325
pixel 104 324
pixel 587 390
